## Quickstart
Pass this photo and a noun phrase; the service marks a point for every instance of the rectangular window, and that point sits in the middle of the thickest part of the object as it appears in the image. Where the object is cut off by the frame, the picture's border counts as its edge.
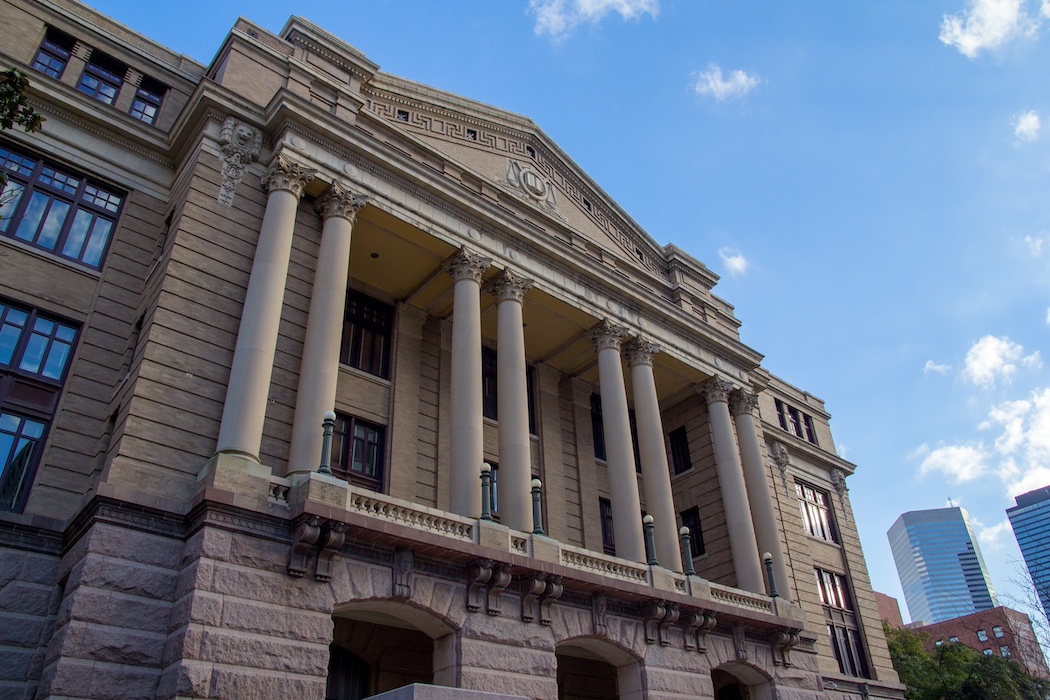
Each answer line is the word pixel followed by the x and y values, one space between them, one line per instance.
pixel 102 78
pixel 982 636
pixel 1004 651
pixel 597 426
pixel 53 54
pixel 35 353
pixel 833 590
pixel 148 96
pixel 997 631
pixel 691 520
pixel 988 652
pixel 367 326
pixel 605 514
pixel 816 512
pixel 953 640
pixel 490 388
pixel 680 460
pixel 632 420
pixel 357 451
pixel 56 210
pixel 846 646
pixel 796 422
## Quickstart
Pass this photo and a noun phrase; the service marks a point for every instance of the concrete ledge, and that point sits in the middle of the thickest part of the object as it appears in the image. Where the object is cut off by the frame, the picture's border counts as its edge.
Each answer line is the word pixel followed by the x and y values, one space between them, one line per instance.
pixel 420 691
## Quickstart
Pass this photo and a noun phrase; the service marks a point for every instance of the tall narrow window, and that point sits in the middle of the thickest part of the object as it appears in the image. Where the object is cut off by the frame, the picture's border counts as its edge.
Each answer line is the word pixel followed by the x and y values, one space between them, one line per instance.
pixel 691 520
pixel 605 514
pixel 597 427
pixel 148 97
pixel 357 451
pixel 53 55
pixel 816 512
pixel 56 210
pixel 489 398
pixel 632 420
pixel 680 460
pixel 367 325
pixel 843 630
pixel 102 78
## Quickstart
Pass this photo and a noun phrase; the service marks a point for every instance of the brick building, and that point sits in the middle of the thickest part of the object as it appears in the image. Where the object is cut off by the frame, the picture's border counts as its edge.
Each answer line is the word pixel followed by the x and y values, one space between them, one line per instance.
pixel 999 631
pixel 199 263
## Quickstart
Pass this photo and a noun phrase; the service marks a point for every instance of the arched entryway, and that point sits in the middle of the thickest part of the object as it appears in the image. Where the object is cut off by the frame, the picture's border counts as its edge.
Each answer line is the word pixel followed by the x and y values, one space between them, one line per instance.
pixel 380 645
pixel 595 669
pixel 739 681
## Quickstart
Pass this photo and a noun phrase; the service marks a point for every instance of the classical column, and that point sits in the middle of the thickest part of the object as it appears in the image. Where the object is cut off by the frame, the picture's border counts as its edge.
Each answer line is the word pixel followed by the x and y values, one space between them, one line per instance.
pixel 623 479
pixel 249 386
pixel 656 476
pixel 741 405
pixel 319 369
pixel 512 403
pixel 466 449
pixel 731 482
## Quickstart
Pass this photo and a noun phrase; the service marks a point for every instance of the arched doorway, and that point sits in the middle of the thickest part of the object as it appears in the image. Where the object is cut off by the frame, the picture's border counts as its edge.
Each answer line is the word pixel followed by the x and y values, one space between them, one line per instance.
pixel 594 669
pixel 739 681
pixel 381 645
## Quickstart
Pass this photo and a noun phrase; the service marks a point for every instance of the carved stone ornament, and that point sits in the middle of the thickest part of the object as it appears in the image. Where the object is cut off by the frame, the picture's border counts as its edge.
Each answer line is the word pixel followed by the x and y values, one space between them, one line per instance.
pixel 339 201
pixel 640 351
pixel 286 174
pixel 306 534
pixel 599 610
pixel 532 587
pixel 607 335
pixel 659 616
pixel 509 286
pixel 467 265
pixel 551 593
pixel 486 580
pixel 526 180
pixel 740 642
pixel 783 642
pixel 240 148
pixel 715 389
pixel 838 478
pixel 401 581
pixel 695 626
pixel 333 534
pixel 742 402
pixel 779 453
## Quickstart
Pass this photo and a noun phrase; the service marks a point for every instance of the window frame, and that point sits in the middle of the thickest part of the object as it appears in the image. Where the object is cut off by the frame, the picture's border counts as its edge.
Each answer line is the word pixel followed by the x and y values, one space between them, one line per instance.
pixel 690 518
pixel 598 427
pixel 796 422
pixel 38 176
pixel 344 450
pixel 367 319
pixel 605 517
pixel 681 461
pixel 818 519
pixel 57 46
pixel 106 72
pixel 149 93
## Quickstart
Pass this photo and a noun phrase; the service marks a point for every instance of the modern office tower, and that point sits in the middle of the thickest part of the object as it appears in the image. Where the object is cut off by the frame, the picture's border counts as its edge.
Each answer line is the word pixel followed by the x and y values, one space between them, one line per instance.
pixel 940 565
pixel 1030 519
pixel 263 321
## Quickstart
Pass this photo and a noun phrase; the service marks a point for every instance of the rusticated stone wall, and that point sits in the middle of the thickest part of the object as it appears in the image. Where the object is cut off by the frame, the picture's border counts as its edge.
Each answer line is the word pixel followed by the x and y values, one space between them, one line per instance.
pixel 28 602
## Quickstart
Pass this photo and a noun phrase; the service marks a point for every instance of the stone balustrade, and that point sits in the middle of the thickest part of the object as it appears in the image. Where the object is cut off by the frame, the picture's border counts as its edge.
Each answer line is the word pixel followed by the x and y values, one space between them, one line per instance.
pixel 405 513
pixel 586 560
pixel 741 599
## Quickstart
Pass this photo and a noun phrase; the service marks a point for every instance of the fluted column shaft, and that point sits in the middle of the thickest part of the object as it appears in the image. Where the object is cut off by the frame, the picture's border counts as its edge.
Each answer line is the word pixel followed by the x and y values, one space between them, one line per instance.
pixel 623 479
pixel 319 370
pixel 244 410
pixel 466 450
pixel 741 405
pixel 512 403
pixel 656 476
pixel 742 541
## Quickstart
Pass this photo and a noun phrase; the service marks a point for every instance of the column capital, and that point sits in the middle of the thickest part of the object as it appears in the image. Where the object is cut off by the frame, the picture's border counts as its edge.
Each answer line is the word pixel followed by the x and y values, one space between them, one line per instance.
pixel 339 201
pixel 640 351
pixel 715 389
pixel 607 335
pixel 465 264
pixel 509 286
pixel 742 402
pixel 286 174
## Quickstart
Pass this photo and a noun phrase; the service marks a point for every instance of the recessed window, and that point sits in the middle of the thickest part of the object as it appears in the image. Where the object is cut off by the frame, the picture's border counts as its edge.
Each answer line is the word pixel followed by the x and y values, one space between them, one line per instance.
pixel 982 636
pixel 833 590
pixel 816 512
pixel 53 54
pixel 367 325
pixel 843 631
pixel 691 520
pixel 148 97
pixel 796 422
pixel 357 451
pixel 997 631
pixel 1004 651
pixel 587 204
pixel 680 459
pixel 953 640
pixel 53 209
pixel 401 115
pixel 988 652
pixel 605 515
pixel 597 427
pixel 490 388
pixel 472 134
pixel 530 151
pixel 102 78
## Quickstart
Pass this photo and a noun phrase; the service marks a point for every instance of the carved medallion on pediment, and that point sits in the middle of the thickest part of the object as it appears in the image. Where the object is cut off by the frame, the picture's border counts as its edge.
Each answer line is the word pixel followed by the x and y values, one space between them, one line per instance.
pixel 527 181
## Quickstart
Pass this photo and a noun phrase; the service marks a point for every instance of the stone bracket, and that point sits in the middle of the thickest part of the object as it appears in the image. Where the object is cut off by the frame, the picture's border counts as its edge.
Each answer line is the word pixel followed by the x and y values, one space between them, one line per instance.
pixel 783 642
pixel 401 579
pixel 740 642
pixel 659 616
pixel 486 580
pixel 333 534
pixel 315 536
pixel 532 587
pixel 599 608
pixel 695 626
pixel 552 592
pixel 499 580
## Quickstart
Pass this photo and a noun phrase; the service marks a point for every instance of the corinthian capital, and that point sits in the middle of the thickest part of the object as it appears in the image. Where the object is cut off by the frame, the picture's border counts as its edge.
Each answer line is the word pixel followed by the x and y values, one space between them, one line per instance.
pixel 509 286
pixel 339 201
pixel 742 402
pixel 467 265
pixel 640 351
pixel 286 174
pixel 607 335
pixel 715 389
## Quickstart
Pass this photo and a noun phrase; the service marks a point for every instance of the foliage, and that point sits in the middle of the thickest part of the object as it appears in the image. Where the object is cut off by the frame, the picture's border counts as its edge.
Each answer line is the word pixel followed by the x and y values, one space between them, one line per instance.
pixel 957 672
pixel 14 110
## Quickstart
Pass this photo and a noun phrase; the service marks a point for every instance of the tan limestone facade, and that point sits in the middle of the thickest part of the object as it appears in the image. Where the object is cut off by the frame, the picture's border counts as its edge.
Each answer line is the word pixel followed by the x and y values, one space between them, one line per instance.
pixel 263 322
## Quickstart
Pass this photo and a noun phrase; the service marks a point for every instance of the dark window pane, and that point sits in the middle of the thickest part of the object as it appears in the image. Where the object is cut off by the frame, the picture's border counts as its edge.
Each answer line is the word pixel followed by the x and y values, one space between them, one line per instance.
pixel 605 514
pixel 367 325
pixel 680 459
pixel 597 426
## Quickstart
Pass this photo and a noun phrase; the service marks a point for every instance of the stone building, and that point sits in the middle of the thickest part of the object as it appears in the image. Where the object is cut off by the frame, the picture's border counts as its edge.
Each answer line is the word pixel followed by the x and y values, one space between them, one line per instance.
pixel 199 263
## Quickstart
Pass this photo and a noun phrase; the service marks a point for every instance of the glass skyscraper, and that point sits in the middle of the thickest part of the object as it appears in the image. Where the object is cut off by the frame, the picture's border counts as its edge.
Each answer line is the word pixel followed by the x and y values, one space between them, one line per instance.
pixel 1030 519
pixel 940 565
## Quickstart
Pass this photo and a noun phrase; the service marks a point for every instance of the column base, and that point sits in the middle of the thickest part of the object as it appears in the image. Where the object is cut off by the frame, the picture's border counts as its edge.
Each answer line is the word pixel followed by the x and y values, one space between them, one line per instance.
pixel 236 472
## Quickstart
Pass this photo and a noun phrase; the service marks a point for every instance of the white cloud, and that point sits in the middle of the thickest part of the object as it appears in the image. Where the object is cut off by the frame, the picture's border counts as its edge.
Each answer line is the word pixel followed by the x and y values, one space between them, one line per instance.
pixel 986 24
pixel 991 537
pixel 1010 415
pixel 559 17
pixel 992 358
pixel 1035 244
pixel 1026 126
pixel 711 83
pixel 1048 315
pixel 734 261
pixel 932 366
pixel 958 462
pixel 1044 11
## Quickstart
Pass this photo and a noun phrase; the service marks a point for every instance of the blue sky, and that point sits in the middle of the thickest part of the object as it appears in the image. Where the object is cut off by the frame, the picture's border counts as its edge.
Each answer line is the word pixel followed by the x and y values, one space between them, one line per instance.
pixel 870 179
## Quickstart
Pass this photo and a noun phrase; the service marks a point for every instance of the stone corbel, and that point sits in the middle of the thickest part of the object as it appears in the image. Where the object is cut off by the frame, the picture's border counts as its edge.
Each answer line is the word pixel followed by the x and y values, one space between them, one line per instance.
pixel 499 580
pixel 401 579
pixel 333 534
pixel 551 593
pixel 599 608
pixel 654 615
pixel 695 626
pixel 670 617
pixel 740 642
pixel 532 587
pixel 478 574
pixel 783 642
pixel 306 534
